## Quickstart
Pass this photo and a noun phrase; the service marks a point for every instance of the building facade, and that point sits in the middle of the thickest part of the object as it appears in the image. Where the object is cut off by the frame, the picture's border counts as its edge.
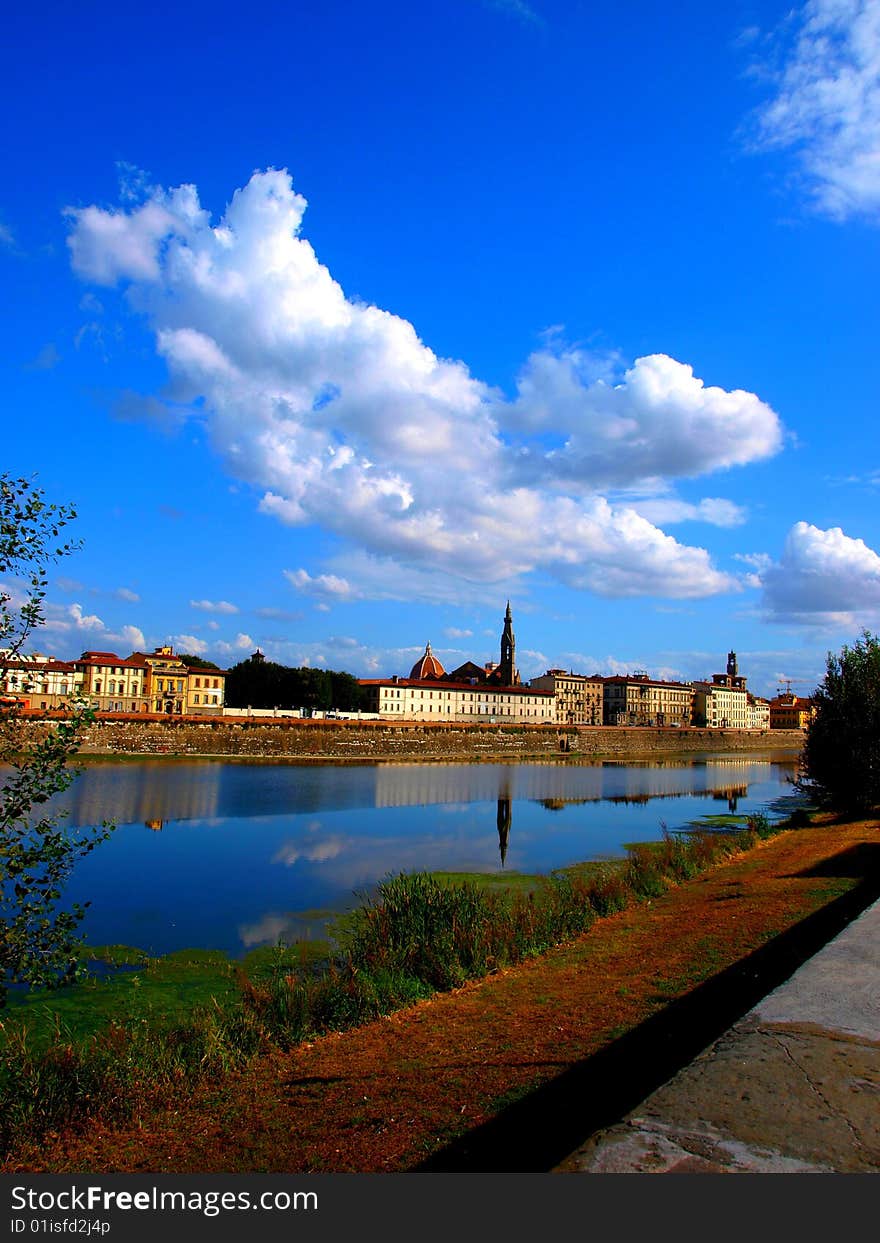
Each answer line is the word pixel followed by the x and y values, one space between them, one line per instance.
pixel 469 703
pixel 37 681
pixel 789 711
pixel 579 699
pixel 636 699
pixel 205 691
pixel 112 683
pixel 758 712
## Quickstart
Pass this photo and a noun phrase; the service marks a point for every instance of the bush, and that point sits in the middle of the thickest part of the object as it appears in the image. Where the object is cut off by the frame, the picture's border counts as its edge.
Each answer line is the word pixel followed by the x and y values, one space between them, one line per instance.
pixel 840 764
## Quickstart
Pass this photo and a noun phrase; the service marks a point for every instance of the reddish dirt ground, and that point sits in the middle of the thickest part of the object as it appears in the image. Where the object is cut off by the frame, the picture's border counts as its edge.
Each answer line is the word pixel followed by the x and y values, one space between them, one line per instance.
pixel 395 1093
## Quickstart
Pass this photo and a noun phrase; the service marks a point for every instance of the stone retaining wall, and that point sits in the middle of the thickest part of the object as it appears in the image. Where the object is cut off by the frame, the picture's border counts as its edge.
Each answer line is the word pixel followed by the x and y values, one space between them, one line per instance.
pixel 372 740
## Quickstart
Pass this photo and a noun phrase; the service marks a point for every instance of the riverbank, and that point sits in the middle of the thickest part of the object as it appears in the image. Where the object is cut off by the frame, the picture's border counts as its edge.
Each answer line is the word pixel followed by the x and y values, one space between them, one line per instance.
pixel 369 741
pixel 513 1072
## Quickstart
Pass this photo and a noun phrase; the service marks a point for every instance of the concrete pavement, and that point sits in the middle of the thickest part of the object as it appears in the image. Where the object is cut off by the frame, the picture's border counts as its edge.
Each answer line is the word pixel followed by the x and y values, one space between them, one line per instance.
pixel 793 1087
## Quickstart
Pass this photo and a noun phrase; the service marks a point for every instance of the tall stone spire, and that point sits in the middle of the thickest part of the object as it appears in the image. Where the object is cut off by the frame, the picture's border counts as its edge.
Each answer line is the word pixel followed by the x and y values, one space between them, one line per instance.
pixel 507 672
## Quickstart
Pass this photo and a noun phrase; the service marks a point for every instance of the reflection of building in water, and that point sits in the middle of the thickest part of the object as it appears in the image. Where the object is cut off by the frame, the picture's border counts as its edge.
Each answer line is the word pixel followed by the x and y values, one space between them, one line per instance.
pixel 150 794
pixel 160 791
pixel 407 785
pixel 504 818
pixel 555 784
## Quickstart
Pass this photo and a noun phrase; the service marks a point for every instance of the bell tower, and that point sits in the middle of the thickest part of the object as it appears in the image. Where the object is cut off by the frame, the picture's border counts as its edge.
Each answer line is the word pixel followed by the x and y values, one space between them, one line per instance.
pixel 507 672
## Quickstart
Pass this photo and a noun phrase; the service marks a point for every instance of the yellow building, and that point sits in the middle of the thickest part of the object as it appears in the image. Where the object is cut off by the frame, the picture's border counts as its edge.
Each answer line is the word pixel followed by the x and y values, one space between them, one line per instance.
pixel 205 692
pixel 789 711
pixel 112 683
pixel 579 699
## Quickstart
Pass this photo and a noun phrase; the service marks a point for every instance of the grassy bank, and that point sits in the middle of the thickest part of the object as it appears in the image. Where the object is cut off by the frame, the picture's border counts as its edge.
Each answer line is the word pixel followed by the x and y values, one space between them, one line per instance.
pixel 510 1071
pixel 110 1049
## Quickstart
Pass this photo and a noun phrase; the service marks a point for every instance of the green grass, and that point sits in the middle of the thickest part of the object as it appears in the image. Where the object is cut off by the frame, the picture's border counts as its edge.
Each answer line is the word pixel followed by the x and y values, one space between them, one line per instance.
pixel 160 992
pixel 490 881
pixel 727 820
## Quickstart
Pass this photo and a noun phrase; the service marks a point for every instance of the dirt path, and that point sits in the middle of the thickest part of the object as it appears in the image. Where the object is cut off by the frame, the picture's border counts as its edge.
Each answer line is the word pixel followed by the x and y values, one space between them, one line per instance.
pixel 514 1071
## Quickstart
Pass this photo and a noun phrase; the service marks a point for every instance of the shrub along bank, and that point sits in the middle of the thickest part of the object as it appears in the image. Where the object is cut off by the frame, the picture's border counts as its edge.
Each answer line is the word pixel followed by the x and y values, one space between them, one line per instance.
pixel 418 936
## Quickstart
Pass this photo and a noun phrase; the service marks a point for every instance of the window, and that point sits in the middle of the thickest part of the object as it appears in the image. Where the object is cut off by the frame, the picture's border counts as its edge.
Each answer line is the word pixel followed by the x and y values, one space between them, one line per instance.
pixel 195 699
pixel 213 699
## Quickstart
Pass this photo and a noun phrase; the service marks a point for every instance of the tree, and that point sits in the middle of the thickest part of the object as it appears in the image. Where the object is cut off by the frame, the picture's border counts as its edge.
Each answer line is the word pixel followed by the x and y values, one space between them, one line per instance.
pixel 38 940
pixel 260 683
pixel 841 757
pixel 197 662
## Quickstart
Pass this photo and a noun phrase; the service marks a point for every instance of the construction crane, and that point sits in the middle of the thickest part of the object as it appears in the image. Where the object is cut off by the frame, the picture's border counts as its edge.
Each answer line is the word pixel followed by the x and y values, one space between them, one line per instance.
pixel 785 685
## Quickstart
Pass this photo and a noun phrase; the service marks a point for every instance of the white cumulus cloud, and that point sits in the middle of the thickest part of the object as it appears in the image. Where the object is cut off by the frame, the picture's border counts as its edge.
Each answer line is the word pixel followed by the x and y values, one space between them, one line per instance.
pixel 326 585
pixel 823 575
pixel 343 418
pixel 241 643
pixel 84 621
pixel 827 104
pixel 189 644
pixel 660 421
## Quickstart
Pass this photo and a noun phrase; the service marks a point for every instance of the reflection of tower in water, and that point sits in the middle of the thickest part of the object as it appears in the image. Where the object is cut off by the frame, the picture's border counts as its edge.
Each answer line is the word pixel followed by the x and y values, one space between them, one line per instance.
pixel 504 818
pixel 732 794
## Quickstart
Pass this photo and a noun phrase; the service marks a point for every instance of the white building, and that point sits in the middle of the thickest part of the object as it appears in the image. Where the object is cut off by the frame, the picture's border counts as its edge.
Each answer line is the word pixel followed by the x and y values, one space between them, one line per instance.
pixel 407 699
pixel 723 703
pixel 430 694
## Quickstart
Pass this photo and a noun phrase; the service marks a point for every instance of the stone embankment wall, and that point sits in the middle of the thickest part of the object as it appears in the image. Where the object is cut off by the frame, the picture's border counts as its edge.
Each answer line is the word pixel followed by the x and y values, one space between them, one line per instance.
pixel 378 740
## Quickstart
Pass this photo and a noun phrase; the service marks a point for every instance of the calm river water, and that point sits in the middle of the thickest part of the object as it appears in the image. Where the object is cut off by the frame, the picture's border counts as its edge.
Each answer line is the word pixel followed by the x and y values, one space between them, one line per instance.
pixel 233 855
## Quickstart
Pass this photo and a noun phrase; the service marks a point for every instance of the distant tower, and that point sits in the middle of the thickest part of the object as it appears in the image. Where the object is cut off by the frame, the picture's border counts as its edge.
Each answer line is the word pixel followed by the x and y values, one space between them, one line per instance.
pixel 731 665
pixel 507 674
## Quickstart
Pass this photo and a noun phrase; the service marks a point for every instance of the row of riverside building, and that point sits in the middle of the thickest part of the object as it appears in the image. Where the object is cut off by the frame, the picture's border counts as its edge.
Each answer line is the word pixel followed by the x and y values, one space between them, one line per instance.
pixel 493 692
pixel 160 682
pixel 154 682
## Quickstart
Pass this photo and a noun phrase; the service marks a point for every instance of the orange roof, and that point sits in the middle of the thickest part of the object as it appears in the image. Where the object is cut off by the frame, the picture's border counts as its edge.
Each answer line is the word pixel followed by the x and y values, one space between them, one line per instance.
pixel 105 658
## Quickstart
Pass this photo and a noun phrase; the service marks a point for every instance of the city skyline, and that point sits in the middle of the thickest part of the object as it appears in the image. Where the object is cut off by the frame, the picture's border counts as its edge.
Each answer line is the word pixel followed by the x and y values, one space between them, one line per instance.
pixel 341 330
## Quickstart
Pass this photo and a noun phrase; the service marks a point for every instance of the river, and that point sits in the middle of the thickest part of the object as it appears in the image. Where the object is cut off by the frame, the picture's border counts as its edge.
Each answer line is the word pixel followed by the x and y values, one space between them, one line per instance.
pixel 231 856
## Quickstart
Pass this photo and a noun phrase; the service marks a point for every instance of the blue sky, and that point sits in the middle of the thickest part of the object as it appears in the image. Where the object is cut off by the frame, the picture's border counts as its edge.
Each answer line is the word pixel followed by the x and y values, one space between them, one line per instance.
pixel 342 324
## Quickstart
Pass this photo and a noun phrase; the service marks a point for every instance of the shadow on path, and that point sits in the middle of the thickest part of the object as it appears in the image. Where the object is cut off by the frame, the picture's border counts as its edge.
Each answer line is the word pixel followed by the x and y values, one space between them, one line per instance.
pixel 539 1131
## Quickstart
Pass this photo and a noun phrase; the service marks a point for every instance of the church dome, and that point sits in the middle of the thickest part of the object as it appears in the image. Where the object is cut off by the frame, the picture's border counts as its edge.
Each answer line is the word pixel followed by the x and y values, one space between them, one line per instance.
pixel 427 666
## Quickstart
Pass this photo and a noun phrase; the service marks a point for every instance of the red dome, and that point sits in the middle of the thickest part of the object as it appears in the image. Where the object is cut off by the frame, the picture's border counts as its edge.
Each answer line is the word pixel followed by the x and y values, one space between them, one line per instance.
pixel 427 667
